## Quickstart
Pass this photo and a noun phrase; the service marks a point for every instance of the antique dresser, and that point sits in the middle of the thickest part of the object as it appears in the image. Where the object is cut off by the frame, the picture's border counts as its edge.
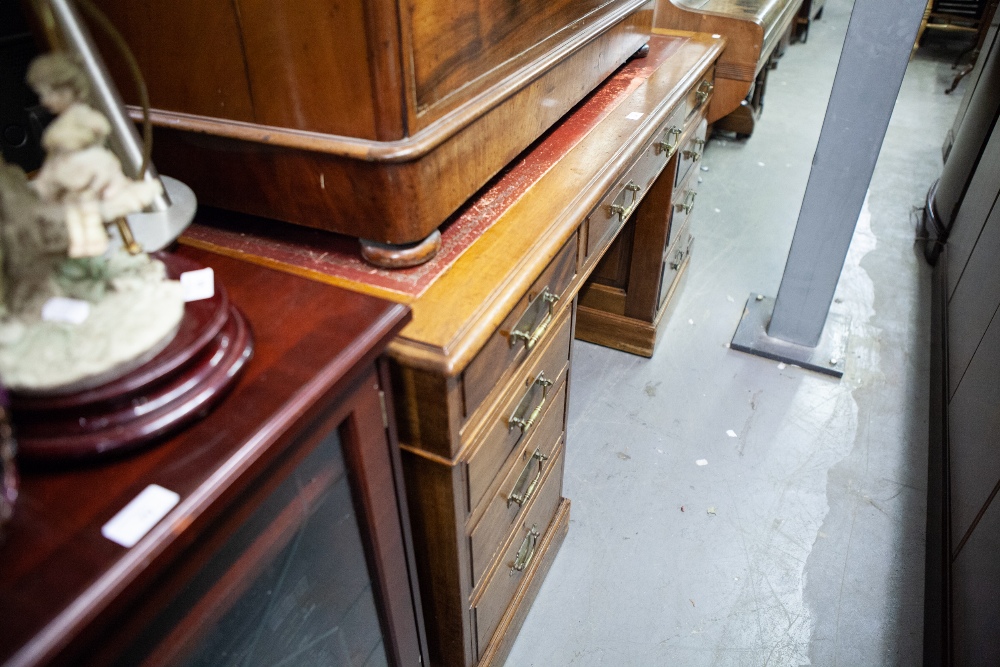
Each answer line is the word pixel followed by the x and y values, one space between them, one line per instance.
pixel 375 119
pixel 276 525
pixel 482 373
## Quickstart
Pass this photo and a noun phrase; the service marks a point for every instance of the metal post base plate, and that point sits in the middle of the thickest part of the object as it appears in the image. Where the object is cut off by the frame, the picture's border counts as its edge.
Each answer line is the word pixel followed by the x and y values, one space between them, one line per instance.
pixel 827 357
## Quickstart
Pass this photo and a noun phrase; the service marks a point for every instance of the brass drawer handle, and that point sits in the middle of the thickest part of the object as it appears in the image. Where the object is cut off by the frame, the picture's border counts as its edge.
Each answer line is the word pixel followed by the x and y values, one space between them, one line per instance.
pixel 625 211
pixel 695 155
pixel 705 89
pixel 531 337
pixel 523 497
pixel 517 417
pixel 527 551
pixel 688 201
pixel 665 145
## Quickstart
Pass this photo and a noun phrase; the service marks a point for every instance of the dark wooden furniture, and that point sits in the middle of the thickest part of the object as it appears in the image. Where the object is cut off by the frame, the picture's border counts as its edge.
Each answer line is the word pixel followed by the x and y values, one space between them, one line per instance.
pixel 754 30
pixel 630 291
pixel 292 484
pixel 375 119
pixel 481 375
pixel 811 10
pixel 961 598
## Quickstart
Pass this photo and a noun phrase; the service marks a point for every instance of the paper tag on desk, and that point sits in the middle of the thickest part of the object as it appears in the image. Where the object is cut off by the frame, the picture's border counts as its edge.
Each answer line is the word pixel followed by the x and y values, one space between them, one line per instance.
pixel 635 115
pixel 67 311
pixel 198 285
pixel 138 517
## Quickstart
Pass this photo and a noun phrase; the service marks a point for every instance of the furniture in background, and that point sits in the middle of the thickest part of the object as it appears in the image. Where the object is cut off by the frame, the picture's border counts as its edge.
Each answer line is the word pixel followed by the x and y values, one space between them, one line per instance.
pixel 289 537
pixel 481 375
pixel 964 147
pixel 953 16
pixel 756 32
pixel 962 594
pixel 375 119
pixel 811 10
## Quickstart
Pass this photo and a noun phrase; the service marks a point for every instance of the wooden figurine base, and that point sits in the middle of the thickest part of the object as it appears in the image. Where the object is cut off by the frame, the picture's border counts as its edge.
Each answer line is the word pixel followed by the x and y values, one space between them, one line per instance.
pixel 178 385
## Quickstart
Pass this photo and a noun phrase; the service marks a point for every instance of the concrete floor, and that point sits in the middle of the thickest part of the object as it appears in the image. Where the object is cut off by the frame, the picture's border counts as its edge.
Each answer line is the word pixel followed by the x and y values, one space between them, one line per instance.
pixel 801 542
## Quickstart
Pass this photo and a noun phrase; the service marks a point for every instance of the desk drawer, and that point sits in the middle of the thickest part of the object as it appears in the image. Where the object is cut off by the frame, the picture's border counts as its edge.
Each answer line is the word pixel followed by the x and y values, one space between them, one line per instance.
pixel 623 198
pixel 673 260
pixel 520 483
pixel 691 152
pixel 525 328
pixel 518 557
pixel 500 435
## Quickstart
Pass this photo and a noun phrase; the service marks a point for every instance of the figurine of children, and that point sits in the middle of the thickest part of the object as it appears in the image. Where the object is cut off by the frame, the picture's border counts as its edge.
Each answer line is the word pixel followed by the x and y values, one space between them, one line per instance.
pixel 76 316
pixel 80 173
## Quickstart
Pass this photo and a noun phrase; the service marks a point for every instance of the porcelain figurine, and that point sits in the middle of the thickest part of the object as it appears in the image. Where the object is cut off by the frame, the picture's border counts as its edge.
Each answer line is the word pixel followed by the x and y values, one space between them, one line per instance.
pixel 76 316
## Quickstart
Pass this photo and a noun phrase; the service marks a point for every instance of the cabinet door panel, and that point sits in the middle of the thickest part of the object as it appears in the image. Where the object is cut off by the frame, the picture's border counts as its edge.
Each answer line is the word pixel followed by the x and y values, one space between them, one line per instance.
pixel 974 301
pixel 973 424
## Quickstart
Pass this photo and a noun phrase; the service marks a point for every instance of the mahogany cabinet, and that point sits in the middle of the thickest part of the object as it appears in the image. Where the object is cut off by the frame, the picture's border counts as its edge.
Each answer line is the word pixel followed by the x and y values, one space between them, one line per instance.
pixel 372 118
pixel 289 541
pixel 482 373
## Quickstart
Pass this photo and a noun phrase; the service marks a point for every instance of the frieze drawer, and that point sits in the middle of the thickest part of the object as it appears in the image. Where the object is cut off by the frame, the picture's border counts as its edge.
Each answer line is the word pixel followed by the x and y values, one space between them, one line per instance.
pixel 527 326
pixel 622 199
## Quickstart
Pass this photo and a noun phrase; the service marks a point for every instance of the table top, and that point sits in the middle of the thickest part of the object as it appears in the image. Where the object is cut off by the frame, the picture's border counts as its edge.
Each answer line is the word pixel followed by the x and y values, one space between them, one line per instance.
pixel 58 573
pixel 518 222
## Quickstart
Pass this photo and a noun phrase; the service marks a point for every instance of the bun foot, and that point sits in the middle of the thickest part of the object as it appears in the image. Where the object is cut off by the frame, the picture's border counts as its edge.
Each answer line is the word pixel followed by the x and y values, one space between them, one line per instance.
pixel 392 256
pixel 642 52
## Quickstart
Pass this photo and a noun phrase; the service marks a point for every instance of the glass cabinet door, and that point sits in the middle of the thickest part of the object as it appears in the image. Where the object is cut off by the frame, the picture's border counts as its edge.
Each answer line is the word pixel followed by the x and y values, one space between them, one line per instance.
pixel 289 587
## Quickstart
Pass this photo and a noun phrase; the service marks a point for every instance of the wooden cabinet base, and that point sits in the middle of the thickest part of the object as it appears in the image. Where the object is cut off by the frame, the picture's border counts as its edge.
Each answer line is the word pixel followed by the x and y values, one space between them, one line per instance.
pixel 497 650
pixel 627 334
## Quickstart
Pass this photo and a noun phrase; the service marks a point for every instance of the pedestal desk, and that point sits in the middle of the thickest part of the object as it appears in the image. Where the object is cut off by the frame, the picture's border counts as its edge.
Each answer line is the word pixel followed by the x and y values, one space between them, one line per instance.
pixel 288 538
pixel 481 374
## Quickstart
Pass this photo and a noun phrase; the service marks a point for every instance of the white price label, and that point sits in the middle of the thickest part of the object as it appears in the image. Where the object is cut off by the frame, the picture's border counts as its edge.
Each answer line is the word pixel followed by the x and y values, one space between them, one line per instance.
pixel 68 311
pixel 138 517
pixel 635 115
pixel 198 285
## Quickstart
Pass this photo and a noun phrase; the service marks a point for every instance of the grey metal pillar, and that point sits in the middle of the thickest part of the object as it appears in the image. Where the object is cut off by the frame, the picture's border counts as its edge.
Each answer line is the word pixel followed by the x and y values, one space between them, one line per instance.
pixel 793 327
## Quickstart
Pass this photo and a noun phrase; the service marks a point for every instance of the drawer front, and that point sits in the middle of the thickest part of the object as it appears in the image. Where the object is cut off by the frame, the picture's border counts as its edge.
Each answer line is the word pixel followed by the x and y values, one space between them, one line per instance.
pixel 526 328
pixel 673 260
pixel 700 95
pixel 501 433
pixel 684 199
pixel 622 199
pixel 690 153
pixel 520 476
pixel 518 557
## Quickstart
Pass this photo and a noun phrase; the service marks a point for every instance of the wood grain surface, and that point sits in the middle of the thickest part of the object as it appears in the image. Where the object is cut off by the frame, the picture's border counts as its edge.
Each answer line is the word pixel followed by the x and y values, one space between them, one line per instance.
pixel 62 582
